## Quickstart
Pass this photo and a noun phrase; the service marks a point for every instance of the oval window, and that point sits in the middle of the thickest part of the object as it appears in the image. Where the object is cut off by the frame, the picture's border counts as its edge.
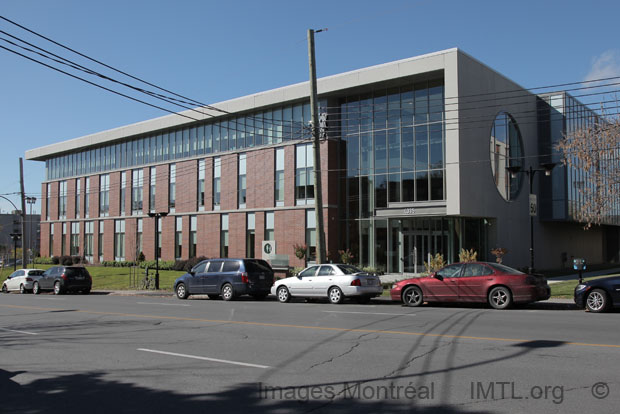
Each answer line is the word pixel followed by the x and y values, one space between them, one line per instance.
pixel 506 151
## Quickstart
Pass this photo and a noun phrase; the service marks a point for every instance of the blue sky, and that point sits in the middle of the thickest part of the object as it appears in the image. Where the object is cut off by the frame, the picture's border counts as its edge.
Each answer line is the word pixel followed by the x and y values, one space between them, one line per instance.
pixel 213 50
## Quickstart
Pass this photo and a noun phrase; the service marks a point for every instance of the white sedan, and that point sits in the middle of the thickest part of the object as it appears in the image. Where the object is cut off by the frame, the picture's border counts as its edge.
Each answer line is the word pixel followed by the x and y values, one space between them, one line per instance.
pixel 21 280
pixel 334 281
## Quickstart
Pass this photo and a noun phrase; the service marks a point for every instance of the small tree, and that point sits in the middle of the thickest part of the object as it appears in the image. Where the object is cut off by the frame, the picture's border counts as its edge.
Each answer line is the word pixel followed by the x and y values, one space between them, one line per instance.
pixel 346 256
pixel 468 256
pixel 499 253
pixel 301 250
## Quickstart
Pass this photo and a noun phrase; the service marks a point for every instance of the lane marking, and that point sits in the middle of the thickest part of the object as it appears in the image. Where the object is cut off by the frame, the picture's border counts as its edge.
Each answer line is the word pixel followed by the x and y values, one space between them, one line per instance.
pixel 223 361
pixel 21 332
pixel 373 313
pixel 316 328
pixel 51 298
pixel 164 304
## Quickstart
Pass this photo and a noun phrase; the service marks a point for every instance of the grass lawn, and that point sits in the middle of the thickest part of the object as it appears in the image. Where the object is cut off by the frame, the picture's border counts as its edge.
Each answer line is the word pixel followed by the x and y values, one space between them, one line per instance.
pixel 114 278
pixel 566 289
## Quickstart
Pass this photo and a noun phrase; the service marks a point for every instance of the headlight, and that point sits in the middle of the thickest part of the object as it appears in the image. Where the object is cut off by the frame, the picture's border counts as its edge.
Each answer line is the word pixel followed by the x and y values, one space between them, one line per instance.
pixel 395 285
pixel 581 287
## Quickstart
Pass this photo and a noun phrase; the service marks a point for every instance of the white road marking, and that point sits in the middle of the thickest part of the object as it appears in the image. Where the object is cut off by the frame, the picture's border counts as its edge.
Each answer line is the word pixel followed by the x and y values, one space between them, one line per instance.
pixel 373 313
pixel 165 304
pixel 21 332
pixel 51 298
pixel 223 361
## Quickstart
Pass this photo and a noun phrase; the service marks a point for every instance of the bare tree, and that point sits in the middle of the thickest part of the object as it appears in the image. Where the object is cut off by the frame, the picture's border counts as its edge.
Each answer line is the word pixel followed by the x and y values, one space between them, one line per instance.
pixel 593 153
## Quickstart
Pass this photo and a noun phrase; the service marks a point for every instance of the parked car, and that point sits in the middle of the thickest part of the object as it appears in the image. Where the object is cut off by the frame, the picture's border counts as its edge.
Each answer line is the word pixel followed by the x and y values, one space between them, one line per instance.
pixel 61 279
pixel 598 295
pixel 21 280
pixel 497 284
pixel 228 278
pixel 333 281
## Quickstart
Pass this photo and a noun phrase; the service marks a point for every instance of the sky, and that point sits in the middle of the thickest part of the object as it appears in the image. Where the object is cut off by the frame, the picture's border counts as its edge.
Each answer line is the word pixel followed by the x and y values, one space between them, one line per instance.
pixel 212 51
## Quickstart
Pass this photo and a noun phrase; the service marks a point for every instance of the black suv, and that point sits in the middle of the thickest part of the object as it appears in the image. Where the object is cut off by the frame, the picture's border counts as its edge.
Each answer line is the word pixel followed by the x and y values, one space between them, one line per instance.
pixel 61 279
pixel 226 277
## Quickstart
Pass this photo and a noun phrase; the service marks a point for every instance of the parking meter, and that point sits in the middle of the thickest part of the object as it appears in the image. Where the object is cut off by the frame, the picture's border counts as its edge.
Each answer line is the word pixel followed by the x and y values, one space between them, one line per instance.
pixel 579 265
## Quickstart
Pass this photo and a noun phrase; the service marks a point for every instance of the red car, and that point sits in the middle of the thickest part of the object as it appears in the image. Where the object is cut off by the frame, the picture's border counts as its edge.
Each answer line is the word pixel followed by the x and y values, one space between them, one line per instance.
pixel 499 285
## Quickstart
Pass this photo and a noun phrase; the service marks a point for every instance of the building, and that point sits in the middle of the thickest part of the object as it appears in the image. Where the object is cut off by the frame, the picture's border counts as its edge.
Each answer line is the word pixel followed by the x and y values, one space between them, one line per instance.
pixel 12 223
pixel 414 163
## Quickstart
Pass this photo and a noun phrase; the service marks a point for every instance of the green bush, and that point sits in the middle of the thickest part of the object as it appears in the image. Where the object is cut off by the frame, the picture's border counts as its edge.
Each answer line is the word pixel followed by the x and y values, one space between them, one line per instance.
pixel 373 270
pixel 114 263
pixel 44 260
pixel 163 264
pixel 292 271
pixel 55 260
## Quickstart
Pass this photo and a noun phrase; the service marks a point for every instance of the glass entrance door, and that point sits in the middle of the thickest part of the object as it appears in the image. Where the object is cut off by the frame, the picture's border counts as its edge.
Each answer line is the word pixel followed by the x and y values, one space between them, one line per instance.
pixel 416 246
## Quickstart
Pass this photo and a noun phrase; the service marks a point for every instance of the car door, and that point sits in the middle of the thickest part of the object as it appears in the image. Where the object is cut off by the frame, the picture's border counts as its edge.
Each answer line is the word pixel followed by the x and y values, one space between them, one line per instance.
pixel 325 278
pixel 10 282
pixel 195 280
pixel 443 286
pixel 210 279
pixel 47 279
pixel 302 284
pixel 19 278
pixel 473 282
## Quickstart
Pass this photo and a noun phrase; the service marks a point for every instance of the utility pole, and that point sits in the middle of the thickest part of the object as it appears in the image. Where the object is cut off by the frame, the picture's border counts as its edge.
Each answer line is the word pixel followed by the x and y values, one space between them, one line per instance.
pixel 23 197
pixel 316 149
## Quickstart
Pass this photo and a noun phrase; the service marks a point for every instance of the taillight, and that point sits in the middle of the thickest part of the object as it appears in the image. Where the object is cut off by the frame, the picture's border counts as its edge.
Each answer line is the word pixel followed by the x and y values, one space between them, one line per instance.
pixel 28 279
pixel 64 276
pixel 244 278
pixel 356 282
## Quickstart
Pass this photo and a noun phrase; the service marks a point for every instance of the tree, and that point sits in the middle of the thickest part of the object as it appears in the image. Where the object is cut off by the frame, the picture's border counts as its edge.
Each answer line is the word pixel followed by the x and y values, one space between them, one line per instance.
pixel 593 151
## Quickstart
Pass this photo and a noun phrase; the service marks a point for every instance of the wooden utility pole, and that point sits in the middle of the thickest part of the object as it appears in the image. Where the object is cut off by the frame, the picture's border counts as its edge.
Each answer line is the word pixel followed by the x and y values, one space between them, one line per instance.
pixel 23 197
pixel 316 147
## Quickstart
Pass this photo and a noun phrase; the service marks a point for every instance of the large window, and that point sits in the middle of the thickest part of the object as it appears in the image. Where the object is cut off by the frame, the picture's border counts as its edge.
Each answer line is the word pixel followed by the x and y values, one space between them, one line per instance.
pixel 153 181
pixel 100 241
pixel 269 226
pixel 62 200
pixel 139 238
pixel 172 193
pixel 279 178
pixel 159 238
pixel 63 240
pixel 74 246
pixel 250 236
pixel 89 229
pixel 304 182
pixel 193 227
pixel 224 236
pixel 506 151
pixel 217 177
pixel 242 181
pixel 77 198
pixel 87 199
pixel 201 185
pixel 311 234
pixel 51 241
pixel 123 192
pixel 178 238
pixel 119 240
pixel 47 203
pixel 104 195
pixel 137 181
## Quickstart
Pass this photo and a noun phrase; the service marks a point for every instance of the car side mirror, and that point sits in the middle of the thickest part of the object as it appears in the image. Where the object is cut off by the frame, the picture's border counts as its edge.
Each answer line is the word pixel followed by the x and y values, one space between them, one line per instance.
pixel 191 272
pixel 438 276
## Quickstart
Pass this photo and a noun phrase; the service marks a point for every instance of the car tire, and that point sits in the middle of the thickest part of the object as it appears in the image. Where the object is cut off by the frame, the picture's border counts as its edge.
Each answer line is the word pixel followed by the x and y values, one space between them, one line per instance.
pixel 283 294
pixel 181 291
pixel 500 297
pixel 22 289
pixel 4 289
pixel 259 296
pixel 36 289
pixel 335 295
pixel 597 301
pixel 228 292
pixel 412 296
pixel 57 288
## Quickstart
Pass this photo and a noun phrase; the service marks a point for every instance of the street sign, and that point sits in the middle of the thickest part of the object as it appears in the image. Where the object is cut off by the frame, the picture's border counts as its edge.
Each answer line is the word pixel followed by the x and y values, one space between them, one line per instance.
pixel 269 249
pixel 533 205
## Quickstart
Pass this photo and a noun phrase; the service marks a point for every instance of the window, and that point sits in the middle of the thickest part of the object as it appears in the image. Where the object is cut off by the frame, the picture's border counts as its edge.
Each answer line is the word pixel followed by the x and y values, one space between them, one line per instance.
pixel 47 203
pixel 51 241
pixel 224 236
pixel 311 233
pixel 138 237
pixel 77 198
pixel 137 177
pixel 62 200
pixel 178 237
pixel 100 241
pixel 63 240
pixel 89 228
pixel 74 245
pixel 304 182
pixel 87 199
pixel 119 240
pixel 269 226
pixel 250 236
pixel 123 192
pixel 172 196
pixel 193 226
pixel 159 229
pixel 279 179
pixel 104 195
pixel 506 151
pixel 242 180
pixel 201 185
pixel 153 180
pixel 217 176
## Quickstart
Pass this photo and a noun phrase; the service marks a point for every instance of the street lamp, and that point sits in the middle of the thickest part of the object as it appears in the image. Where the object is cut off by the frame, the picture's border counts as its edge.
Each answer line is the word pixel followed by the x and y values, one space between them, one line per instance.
pixel 31 201
pixel 157 216
pixel 533 205
pixel 15 237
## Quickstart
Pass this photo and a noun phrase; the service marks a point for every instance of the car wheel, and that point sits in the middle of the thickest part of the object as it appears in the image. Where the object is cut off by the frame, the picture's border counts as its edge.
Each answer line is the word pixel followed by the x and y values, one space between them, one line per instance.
pixel 182 291
pixel 22 289
pixel 57 288
pixel 412 296
pixel 500 297
pixel 259 296
pixel 227 292
pixel 283 294
pixel 4 289
pixel 36 289
pixel 214 297
pixel 596 301
pixel 335 295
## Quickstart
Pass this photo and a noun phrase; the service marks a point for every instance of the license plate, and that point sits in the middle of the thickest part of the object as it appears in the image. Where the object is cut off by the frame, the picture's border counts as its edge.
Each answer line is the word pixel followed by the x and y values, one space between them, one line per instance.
pixel 79 277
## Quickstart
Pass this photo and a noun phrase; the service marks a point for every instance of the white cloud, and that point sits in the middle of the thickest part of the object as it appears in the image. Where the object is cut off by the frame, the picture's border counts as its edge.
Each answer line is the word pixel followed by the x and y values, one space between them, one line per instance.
pixel 606 65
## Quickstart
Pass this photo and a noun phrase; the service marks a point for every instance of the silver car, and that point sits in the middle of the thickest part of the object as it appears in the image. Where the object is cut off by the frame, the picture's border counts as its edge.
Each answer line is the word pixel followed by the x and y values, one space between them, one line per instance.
pixel 334 281
pixel 22 280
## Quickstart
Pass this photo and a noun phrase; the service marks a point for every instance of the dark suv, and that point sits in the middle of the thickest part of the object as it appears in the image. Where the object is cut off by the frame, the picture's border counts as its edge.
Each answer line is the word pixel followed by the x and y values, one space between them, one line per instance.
pixel 61 279
pixel 226 277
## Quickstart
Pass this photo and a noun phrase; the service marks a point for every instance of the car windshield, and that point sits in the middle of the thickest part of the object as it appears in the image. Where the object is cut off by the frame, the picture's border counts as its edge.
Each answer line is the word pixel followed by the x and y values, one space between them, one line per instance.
pixel 348 269
pixel 505 269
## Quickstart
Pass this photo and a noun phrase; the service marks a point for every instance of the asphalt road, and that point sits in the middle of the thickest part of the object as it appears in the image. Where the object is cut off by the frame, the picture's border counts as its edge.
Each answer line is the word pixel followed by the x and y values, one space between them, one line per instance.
pixel 104 354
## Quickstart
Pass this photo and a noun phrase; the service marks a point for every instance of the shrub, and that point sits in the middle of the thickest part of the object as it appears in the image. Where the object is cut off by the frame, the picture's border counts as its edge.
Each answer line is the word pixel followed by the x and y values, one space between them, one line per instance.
pixel 300 250
pixel 499 253
pixel 437 262
pixel 294 270
pixel 189 264
pixel 55 260
pixel 44 260
pixel 346 256
pixel 373 270
pixel 141 257
pixel 466 256
pixel 66 261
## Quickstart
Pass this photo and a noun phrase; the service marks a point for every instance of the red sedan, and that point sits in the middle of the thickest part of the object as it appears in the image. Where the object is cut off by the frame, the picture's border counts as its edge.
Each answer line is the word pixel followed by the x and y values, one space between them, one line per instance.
pixel 499 285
